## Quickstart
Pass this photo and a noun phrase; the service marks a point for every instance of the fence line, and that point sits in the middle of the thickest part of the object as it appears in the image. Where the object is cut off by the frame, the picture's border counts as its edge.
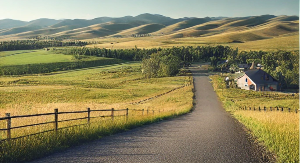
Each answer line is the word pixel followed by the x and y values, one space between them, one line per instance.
pixel 148 99
pixel 8 118
pixel 281 109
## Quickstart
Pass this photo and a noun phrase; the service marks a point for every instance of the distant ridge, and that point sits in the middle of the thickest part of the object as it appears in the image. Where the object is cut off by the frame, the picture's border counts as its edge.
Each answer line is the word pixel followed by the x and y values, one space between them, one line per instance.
pixel 236 29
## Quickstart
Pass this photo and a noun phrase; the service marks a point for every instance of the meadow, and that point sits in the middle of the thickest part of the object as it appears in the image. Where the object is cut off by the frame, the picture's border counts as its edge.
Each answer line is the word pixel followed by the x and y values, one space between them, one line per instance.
pixel 22 62
pixel 117 86
pixel 277 131
pixel 22 57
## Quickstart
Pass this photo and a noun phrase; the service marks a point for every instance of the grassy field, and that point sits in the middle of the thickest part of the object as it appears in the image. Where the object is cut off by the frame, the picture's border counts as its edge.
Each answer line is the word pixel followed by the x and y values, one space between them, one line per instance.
pixel 41 61
pixel 282 42
pixel 23 57
pixel 278 131
pixel 14 52
pixel 115 86
pixel 110 85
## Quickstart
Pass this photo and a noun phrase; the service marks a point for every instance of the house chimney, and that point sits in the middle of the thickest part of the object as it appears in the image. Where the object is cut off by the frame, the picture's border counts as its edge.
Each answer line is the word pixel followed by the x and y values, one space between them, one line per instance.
pixel 252 66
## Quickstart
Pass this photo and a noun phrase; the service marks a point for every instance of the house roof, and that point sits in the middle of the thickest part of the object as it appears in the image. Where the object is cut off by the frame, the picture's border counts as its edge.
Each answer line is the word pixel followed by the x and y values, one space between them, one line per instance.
pixel 257 76
pixel 243 65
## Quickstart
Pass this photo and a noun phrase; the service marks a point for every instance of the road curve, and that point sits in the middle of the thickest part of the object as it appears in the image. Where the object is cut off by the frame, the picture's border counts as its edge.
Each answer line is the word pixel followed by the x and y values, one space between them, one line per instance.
pixel 208 134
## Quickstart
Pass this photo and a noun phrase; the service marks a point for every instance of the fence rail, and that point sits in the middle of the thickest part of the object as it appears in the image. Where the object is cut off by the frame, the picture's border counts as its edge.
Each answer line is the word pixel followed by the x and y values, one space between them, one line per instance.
pixel 281 109
pixel 56 120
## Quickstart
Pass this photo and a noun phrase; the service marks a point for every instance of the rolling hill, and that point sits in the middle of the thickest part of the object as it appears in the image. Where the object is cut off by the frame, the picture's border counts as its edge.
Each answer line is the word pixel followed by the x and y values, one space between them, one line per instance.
pixel 208 30
pixel 10 23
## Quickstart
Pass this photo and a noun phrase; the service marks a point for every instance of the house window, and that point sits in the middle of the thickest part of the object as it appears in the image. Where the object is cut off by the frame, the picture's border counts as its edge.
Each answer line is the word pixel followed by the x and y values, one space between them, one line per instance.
pixel 246 80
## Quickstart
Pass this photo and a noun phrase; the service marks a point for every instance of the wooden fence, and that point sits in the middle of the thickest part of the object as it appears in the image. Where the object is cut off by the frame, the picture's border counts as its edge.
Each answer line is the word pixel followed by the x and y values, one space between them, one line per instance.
pixel 281 109
pixel 8 118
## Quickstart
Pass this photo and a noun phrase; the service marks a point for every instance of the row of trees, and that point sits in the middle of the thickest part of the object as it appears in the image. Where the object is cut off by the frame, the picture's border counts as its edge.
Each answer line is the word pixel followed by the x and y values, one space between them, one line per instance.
pixel 157 62
pixel 282 65
pixel 186 54
pixel 34 44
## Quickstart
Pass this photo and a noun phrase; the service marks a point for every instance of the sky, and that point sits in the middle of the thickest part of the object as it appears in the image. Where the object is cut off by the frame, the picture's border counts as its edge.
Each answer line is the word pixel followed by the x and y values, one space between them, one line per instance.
pixel 27 10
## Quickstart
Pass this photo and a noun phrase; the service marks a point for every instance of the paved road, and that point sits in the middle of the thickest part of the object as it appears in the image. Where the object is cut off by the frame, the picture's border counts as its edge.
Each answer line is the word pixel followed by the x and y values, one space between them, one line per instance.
pixel 208 134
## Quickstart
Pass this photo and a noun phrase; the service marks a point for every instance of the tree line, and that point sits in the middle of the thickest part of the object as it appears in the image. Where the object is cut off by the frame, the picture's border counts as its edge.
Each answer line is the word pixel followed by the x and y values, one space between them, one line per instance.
pixel 34 44
pixel 282 65
pixel 186 54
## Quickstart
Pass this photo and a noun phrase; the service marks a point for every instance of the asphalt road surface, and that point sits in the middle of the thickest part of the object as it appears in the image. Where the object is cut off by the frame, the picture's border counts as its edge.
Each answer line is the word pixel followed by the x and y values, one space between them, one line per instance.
pixel 207 134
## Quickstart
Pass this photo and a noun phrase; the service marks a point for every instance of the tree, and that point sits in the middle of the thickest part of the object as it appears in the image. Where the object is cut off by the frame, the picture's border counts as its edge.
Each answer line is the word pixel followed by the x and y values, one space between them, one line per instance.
pixel 159 65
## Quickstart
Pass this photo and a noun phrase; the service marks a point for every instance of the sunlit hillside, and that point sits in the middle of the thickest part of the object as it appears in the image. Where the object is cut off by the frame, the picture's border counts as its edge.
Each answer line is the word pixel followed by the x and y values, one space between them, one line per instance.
pixel 147 31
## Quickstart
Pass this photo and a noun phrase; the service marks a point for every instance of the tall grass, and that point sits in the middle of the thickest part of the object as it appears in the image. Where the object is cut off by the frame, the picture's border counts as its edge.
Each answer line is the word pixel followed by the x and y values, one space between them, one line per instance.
pixel 76 91
pixel 278 131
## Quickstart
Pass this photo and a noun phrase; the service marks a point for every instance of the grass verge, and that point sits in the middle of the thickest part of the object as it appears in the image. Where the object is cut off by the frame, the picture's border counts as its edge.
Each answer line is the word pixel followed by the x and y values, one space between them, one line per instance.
pixel 37 146
pixel 277 131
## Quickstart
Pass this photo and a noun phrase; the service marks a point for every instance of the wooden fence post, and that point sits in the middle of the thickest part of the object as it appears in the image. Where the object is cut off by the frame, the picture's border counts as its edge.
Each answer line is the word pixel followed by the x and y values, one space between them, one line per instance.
pixel 281 108
pixel 147 111
pixel 254 108
pixel 289 109
pixel 277 108
pixel 55 120
pixel 249 108
pixel 270 108
pixel 89 115
pixel 112 113
pixel 143 112
pixel 265 109
pixel 8 121
pixel 259 108
pixel 126 114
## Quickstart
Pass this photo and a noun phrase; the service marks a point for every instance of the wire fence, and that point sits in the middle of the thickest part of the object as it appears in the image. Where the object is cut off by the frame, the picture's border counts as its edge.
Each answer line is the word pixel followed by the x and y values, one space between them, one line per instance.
pixel 265 109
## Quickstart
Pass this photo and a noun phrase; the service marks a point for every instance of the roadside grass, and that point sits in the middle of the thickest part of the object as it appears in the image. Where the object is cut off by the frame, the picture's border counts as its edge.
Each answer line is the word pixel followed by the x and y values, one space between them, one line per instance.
pixel 116 86
pixel 278 131
pixel 33 147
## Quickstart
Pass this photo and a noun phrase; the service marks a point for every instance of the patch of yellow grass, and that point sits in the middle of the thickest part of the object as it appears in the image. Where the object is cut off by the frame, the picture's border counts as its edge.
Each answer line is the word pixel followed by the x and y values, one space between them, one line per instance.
pixel 129 44
pixel 290 42
pixel 115 87
pixel 278 131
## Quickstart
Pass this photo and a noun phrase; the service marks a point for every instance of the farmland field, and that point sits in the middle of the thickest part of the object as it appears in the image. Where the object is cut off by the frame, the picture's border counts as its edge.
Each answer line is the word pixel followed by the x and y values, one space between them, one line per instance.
pixel 113 84
pixel 41 61
pixel 14 52
pixel 116 86
pixel 32 57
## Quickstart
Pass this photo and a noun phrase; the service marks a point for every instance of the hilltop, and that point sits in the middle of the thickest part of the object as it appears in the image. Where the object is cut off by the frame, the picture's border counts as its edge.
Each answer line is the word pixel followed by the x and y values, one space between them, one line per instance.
pixel 150 30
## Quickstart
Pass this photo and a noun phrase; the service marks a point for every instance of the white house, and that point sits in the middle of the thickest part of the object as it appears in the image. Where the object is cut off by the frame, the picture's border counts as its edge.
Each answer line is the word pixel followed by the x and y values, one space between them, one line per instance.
pixel 257 80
